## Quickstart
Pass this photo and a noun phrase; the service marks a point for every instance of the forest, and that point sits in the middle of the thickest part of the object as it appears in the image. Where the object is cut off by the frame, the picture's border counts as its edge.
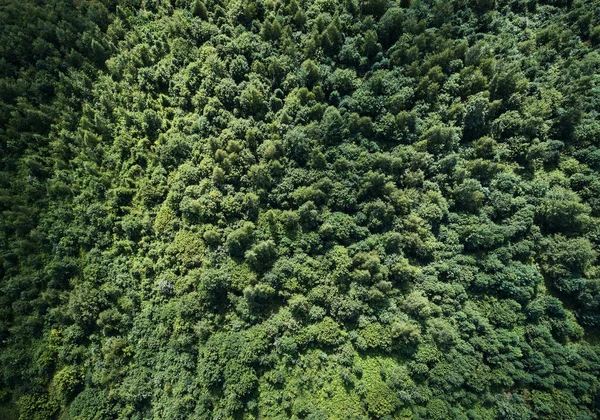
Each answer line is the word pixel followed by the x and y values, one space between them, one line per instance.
pixel 299 209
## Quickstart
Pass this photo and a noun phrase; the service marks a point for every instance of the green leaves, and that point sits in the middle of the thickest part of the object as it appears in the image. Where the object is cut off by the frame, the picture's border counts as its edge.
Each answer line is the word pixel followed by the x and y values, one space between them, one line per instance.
pixel 199 10
pixel 440 139
pixel 239 239
pixel 562 211
pixel 380 209
pixel 262 255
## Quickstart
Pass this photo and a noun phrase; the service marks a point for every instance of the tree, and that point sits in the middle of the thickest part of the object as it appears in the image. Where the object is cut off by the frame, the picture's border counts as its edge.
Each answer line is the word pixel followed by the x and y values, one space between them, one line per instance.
pixel 475 123
pixel 199 10
pixel 390 26
pixel 440 139
pixel 239 239
pixel 469 195
pixel 310 72
pixel 262 255
pixel 562 211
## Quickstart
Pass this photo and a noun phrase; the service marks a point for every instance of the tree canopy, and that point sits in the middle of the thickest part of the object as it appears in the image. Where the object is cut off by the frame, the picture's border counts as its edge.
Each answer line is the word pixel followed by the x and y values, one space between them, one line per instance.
pixel 306 209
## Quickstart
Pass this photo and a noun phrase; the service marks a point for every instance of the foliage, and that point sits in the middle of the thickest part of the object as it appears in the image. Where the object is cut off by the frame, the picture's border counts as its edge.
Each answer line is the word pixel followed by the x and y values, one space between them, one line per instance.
pixel 283 209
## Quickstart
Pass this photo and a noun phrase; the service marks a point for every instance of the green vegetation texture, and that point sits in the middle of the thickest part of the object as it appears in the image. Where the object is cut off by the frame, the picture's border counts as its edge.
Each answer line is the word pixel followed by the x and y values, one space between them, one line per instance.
pixel 299 209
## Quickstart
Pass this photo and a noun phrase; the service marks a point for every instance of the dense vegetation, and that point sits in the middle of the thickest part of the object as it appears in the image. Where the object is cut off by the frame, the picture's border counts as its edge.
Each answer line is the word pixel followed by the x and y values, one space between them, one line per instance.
pixel 303 209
